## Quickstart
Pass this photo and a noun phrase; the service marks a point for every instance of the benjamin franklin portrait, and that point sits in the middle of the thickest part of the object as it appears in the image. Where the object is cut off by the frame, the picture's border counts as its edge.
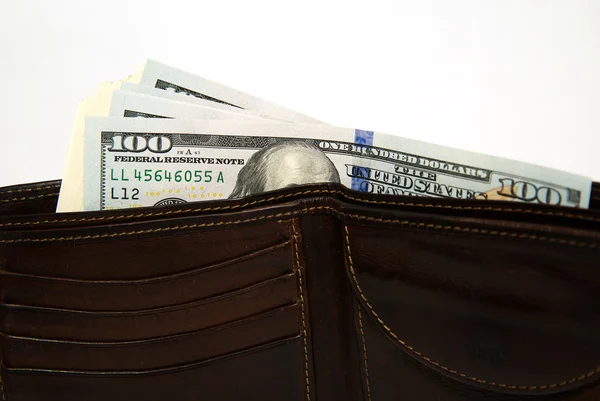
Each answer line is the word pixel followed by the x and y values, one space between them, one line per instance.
pixel 282 165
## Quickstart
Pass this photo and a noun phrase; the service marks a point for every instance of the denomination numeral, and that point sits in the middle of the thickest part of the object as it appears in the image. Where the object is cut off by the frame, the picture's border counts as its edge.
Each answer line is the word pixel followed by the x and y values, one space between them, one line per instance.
pixel 526 191
pixel 140 143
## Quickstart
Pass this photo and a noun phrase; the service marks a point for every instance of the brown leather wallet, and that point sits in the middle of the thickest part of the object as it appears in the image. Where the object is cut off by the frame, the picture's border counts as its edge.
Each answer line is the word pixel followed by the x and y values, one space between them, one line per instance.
pixel 311 293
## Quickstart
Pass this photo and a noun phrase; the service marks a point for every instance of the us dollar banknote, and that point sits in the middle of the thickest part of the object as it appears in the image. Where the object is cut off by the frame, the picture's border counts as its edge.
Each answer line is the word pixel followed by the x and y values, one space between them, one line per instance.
pixel 130 104
pixel 132 163
pixel 182 98
pixel 111 99
pixel 161 76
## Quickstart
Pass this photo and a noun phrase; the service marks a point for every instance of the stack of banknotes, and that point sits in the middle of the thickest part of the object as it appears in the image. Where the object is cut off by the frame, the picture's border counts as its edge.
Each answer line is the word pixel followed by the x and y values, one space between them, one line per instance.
pixel 164 136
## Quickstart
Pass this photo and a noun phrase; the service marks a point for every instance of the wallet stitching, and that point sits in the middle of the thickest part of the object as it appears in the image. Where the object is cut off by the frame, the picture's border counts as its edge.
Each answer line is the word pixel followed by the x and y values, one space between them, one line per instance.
pixel 307 192
pixel 28 198
pixel 14 191
pixel 406 223
pixel 304 333
pixel 364 343
pixel 429 360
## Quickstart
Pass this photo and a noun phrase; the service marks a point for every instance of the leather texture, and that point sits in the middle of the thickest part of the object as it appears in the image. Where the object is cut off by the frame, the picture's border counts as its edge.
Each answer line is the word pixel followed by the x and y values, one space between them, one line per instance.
pixel 311 293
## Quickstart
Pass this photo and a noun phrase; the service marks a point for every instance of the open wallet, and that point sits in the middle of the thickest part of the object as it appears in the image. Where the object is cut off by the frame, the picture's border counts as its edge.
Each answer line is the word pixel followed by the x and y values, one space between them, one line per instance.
pixel 313 293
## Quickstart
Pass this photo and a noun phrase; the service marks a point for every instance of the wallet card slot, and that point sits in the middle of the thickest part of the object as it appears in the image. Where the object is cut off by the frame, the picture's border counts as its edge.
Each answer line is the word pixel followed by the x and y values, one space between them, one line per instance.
pixel 156 371
pixel 117 256
pixel 87 325
pixel 159 278
pixel 43 353
pixel 135 294
pixel 271 371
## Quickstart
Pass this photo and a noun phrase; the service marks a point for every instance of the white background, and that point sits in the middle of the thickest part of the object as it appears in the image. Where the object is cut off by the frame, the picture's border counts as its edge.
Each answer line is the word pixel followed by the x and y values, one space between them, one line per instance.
pixel 514 78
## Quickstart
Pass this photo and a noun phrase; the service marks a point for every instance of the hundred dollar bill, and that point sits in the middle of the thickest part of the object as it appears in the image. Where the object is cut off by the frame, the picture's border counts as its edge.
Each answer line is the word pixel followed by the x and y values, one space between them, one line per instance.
pixel 183 98
pixel 152 162
pixel 110 100
pixel 96 105
pixel 129 104
pixel 161 76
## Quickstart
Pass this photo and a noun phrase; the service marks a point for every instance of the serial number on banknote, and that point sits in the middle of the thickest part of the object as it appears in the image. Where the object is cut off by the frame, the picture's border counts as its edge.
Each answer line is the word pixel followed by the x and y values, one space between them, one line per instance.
pixel 148 175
